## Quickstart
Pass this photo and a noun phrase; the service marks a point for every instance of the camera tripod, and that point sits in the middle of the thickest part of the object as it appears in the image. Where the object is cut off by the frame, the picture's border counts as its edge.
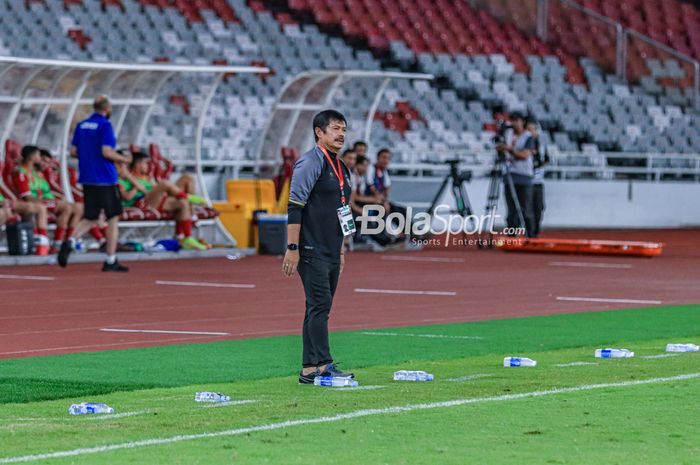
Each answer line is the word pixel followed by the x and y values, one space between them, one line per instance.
pixel 457 180
pixel 500 173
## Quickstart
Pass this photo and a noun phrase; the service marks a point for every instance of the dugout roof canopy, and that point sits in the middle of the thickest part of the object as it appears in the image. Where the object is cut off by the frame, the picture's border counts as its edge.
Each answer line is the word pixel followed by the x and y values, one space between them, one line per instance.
pixel 42 100
pixel 313 91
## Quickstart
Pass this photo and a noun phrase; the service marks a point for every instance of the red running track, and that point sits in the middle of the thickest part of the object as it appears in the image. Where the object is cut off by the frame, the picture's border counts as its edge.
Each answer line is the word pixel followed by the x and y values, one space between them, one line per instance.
pixel 66 311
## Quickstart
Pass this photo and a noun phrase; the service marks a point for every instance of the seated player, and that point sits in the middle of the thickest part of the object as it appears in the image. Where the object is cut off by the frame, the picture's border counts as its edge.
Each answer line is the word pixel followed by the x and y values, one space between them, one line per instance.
pixel 32 187
pixel 5 209
pixel 50 170
pixel 8 207
pixel 187 184
pixel 139 190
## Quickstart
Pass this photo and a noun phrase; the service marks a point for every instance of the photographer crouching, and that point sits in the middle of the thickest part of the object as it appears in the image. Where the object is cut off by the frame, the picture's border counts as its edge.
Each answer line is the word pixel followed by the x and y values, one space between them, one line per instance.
pixel 519 150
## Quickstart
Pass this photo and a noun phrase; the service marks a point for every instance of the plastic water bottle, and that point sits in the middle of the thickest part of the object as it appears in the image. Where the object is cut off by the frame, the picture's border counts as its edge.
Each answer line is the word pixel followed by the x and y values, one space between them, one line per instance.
pixel 613 353
pixel 682 348
pixel 79 246
pixel 408 375
pixel 335 381
pixel 519 362
pixel 211 397
pixel 89 407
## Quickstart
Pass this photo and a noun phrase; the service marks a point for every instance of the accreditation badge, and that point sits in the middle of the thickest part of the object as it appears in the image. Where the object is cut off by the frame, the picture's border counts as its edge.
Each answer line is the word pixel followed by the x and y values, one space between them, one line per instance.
pixel 347 224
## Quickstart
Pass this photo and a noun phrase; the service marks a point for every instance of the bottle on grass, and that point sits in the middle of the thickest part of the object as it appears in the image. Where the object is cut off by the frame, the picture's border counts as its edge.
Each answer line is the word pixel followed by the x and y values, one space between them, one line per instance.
pixel 211 397
pixel 519 362
pixel 682 348
pixel 613 353
pixel 85 408
pixel 334 381
pixel 412 375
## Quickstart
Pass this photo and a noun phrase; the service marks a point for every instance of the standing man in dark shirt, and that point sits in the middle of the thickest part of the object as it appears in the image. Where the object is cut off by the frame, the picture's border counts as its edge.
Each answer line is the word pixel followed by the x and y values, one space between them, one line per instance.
pixel 319 218
pixel 94 144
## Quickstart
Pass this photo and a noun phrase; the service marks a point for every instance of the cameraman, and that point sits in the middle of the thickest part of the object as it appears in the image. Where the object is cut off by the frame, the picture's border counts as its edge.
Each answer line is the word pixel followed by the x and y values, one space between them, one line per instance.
pixel 518 149
pixel 541 158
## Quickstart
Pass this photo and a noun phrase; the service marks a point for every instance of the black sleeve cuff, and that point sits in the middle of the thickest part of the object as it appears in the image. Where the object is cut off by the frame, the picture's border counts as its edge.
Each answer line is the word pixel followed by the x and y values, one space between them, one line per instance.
pixel 294 213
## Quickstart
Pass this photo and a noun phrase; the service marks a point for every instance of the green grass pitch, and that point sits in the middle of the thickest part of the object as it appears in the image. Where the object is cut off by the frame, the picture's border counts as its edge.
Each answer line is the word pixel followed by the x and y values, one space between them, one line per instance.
pixel 572 408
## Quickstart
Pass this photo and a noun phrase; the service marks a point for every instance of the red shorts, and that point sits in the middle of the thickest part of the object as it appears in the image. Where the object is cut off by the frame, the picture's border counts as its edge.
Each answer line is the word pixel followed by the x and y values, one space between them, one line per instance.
pixel 143 203
pixel 50 205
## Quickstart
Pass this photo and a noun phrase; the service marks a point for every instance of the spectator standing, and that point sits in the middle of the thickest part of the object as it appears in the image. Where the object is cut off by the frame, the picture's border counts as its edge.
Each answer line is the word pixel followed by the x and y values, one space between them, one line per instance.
pixel 360 148
pixel 541 158
pixel 519 151
pixel 379 182
pixel 359 196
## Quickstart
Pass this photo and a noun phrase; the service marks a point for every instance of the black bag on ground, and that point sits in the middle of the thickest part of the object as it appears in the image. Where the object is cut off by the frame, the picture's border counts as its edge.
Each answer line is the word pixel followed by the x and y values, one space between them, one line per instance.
pixel 20 238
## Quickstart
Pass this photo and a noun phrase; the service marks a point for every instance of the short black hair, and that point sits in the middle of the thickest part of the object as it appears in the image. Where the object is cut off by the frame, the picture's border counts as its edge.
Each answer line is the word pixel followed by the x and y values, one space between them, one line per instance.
pixel 324 118
pixel 45 153
pixel 382 150
pixel 517 115
pixel 359 142
pixel 361 159
pixel 28 151
pixel 137 157
pixel 348 151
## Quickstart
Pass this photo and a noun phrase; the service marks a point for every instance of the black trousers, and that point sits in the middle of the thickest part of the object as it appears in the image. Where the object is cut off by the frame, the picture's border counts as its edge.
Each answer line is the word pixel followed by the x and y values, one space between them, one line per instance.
pixel 537 208
pixel 524 193
pixel 320 279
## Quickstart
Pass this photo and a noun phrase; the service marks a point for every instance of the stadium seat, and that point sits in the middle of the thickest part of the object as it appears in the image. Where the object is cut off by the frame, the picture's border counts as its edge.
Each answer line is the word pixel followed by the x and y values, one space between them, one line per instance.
pixel 490 63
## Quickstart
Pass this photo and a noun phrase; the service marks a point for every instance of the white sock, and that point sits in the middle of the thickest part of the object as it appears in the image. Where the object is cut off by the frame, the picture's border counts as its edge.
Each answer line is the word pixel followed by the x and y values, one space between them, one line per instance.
pixel 111 259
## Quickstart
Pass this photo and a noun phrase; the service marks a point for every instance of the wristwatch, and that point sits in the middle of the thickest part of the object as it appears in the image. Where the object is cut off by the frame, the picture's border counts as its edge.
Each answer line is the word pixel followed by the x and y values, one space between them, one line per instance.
pixel 292 246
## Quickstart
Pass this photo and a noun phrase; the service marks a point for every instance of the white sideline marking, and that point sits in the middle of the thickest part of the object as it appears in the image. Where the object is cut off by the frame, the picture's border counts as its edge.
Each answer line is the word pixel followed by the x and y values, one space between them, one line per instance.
pixel 469 377
pixel 339 417
pixel 161 331
pixel 400 258
pixel 617 301
pixel 659 356
pixel 30 278
pixel 435 336
pixel 396 291
pixel 592 265
pixel 574 364
pixel 118 415
pixel 360 388
pixel 227 404
pixel 203 284
pixel 92 346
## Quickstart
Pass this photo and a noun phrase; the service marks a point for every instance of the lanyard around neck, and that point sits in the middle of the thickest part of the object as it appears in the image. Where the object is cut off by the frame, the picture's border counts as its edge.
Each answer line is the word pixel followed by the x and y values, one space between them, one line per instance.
pixel 338 173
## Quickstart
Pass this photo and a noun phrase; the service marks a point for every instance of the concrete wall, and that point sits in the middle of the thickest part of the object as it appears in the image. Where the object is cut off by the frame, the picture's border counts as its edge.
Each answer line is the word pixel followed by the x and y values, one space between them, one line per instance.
pixel 583 204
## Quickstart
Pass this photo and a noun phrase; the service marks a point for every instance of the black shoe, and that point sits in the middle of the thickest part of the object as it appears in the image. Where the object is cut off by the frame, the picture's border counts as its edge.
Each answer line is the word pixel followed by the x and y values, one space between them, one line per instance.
pixel 64 252
pixel 308 379
pixel 333 370
pixel 116 266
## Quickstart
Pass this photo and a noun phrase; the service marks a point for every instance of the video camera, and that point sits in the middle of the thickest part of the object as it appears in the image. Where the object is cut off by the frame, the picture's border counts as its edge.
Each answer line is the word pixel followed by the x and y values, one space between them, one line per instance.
pixel 460 176
pixel 501 127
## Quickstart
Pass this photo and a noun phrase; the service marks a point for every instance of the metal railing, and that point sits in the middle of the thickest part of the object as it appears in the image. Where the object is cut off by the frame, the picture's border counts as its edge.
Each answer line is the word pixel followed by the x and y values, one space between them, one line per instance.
pixel 615 48
pixel 603 166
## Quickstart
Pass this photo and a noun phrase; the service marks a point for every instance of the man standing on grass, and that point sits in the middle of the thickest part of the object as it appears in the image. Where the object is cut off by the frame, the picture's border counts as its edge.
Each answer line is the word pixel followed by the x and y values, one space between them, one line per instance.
pixel 94 144
pixel 319 217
